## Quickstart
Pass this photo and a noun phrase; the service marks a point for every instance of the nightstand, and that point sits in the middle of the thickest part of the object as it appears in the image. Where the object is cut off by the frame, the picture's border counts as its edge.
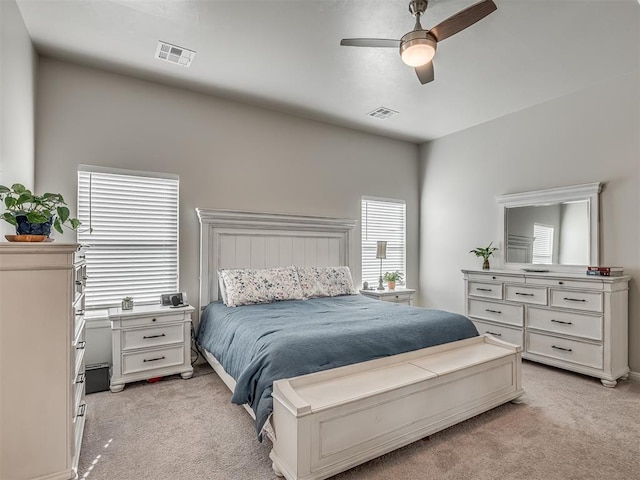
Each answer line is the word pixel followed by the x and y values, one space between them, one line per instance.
pixel 150 341
pixel 399 295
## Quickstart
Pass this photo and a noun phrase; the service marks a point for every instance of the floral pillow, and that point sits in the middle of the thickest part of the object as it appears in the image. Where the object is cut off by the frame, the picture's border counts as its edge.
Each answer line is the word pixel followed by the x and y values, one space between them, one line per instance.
pixel 326 281
pixel 250 286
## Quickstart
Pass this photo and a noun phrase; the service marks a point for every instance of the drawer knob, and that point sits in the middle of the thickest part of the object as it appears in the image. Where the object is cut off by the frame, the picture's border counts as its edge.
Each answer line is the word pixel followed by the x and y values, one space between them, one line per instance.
pixel 154 359
pixel 493 333
pixel 82 410
pixel 493 278
pixel 80 378
pixel 154 336
pixel 562 348
pixel 80 312
pixel 569 299
pixel 560 283
pixel 153 320
pixel 492 311
pixel 81 345
pixel 562 322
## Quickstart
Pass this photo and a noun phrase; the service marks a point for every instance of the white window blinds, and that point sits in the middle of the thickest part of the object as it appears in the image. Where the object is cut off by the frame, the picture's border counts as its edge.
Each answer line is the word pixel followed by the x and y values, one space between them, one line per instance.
pixel 130 222
pixel 542 243
pixel 383 219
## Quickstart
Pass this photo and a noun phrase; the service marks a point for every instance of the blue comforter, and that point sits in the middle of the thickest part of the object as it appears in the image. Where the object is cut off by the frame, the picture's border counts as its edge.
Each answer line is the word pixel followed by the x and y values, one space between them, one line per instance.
pixel 258 344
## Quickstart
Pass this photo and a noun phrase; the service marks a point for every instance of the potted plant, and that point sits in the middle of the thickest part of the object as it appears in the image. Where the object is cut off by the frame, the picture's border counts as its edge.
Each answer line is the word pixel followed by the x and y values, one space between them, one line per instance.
pixel 127 303
pixel 391 278
pixel 485 253
pixel 35 214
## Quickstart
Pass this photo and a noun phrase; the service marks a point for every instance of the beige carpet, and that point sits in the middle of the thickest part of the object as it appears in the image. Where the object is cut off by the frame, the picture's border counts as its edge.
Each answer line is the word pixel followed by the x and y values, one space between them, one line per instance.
pixel 569 427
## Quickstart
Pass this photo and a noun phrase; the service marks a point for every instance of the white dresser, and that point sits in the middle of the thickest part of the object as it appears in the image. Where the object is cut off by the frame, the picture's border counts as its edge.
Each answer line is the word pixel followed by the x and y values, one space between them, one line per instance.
pixel 42 360
pixel 571 321
pixel 150 341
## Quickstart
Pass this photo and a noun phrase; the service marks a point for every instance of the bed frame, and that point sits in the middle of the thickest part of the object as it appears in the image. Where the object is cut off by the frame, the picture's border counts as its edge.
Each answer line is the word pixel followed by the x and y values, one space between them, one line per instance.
pixel 327 422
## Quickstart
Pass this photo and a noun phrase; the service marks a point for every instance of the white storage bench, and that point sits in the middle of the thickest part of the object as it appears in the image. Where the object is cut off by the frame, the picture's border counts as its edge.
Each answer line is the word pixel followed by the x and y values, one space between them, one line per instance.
pixel 327 422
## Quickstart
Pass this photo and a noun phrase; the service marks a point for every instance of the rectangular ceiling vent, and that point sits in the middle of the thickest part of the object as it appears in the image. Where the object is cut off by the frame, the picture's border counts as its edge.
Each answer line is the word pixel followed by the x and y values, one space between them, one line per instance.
pixel 174 54
pixel 382 113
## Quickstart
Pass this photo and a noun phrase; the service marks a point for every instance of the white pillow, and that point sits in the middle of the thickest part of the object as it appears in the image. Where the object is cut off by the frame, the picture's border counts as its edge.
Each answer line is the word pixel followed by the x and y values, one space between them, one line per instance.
pixel 248 286
pixel 326 281
pixel 222 288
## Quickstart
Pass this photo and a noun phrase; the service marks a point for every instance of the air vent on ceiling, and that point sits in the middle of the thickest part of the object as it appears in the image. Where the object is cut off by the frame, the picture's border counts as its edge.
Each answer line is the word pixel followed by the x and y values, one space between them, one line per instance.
pixel 382 113
pixel 174 54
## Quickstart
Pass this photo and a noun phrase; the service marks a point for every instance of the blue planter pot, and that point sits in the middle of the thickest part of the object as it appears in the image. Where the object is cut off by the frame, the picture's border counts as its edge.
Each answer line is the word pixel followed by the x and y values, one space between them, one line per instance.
pixel 25 228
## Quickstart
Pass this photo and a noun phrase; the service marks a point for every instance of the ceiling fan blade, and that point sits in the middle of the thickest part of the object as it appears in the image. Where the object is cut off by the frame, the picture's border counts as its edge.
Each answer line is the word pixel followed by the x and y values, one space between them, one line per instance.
pixel 425 73
pixel 370 42
pixel 463 19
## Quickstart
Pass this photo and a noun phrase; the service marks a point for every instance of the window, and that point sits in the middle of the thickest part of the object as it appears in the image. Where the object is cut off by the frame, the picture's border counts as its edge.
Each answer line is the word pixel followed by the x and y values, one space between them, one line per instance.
pixel 130 223
pixel 383 219
pixel 542 243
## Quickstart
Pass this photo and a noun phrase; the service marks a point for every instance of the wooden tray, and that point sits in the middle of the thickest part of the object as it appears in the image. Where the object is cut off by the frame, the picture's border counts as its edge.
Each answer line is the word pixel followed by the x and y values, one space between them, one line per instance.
pixel 28 238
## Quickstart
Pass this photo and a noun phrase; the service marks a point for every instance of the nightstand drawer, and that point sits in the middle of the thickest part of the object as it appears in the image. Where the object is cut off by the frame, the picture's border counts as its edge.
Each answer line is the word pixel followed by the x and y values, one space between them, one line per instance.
pixel 152 337
pixel 153 319
pixel 517 293
pixel 574 351
pixel 486 290
pixel 568 323
pixel 507 334
pixel 152 359
pixel 588 301
pixel 498 312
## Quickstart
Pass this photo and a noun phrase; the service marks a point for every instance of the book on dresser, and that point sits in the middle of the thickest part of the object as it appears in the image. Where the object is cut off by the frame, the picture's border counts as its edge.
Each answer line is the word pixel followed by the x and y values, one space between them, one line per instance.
pixel 605 271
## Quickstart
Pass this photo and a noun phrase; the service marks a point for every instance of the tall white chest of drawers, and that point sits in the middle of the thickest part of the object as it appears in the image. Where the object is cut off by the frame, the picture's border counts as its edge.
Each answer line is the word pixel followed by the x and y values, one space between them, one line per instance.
pixel 572 321
pixel 41 360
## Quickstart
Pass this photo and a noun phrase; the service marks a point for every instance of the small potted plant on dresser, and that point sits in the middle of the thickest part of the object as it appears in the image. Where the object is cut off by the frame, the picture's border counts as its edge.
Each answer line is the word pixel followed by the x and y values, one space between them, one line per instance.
pixel 34 215
pixel 391 278
pixel 485 253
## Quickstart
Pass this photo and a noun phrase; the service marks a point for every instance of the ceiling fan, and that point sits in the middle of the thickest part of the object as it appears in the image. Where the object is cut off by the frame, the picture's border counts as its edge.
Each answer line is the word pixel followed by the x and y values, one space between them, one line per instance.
pixel 418 47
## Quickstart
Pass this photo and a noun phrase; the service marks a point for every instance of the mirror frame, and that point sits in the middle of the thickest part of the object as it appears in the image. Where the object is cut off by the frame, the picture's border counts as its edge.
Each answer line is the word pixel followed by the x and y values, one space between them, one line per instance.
pixel 588 191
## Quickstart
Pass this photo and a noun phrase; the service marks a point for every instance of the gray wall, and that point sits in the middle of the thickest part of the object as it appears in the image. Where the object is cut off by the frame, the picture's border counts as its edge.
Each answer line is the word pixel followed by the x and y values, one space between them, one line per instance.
pixel 228 155
pixel 18 61
pixel 585 137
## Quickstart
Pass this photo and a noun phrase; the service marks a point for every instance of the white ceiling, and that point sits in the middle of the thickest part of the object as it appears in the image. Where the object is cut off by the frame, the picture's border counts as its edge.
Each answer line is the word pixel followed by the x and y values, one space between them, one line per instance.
pixel 285 54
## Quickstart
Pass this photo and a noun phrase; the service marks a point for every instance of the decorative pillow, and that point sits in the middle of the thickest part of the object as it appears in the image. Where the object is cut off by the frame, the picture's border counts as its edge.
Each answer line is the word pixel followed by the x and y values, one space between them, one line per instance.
pixel 250 286
pixel 222 288
pixel 326 281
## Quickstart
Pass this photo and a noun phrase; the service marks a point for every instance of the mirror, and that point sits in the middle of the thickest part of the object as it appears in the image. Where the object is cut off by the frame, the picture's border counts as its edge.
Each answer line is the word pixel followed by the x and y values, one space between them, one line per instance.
pixel 551 227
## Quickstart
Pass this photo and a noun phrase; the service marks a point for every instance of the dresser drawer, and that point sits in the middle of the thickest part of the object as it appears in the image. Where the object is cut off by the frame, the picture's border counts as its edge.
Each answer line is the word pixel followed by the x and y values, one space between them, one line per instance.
pixel 508 334
pixel 573 351
pixel 552 282
pixel 488 277
pixel 151 337
pixel 518 293
pixel 152 320
pixel 588 301
pixel 486 290
pixel 152 359
pixel 78 392
pixel 498 312
pixel 568 323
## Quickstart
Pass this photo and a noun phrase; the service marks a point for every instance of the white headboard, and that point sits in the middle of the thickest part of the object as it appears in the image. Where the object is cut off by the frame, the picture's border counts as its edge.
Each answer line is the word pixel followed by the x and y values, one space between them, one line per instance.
pixel 231 239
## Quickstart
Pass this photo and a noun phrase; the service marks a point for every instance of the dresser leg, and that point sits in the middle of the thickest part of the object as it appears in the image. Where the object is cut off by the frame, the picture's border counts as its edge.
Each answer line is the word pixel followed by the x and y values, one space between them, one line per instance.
pixel 187 375
pixel 624 377
pixel 518 400
pixel 116 388
pixel 609 383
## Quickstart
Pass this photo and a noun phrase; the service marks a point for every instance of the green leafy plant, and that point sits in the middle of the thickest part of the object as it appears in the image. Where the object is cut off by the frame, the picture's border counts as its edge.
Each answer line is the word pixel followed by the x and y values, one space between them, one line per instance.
pixel 19 200
pixel 484 252
pixel 392 276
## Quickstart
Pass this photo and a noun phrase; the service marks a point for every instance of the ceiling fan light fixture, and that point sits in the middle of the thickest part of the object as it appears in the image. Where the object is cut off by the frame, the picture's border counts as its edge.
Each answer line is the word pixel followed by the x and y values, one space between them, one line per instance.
pixel 417 48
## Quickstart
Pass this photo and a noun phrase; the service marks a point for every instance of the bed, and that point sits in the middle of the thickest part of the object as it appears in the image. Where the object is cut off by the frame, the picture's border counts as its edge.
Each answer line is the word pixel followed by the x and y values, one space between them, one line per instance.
pixel 334 382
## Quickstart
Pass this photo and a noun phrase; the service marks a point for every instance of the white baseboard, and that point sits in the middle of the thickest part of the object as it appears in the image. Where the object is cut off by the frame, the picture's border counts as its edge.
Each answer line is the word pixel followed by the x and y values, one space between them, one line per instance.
pixel 634 376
